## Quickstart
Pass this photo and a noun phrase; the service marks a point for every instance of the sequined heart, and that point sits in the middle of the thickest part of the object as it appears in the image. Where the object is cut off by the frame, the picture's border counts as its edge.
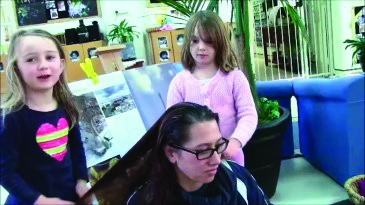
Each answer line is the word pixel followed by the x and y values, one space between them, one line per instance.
pixel 53 140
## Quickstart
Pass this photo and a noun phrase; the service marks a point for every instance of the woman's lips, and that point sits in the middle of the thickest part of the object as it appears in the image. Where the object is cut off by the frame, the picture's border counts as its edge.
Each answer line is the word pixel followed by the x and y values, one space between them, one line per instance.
pixel 212 171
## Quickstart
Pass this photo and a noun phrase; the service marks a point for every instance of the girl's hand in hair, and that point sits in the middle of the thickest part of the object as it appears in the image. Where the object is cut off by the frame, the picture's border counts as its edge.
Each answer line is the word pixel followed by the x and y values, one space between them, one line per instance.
pixel 233 147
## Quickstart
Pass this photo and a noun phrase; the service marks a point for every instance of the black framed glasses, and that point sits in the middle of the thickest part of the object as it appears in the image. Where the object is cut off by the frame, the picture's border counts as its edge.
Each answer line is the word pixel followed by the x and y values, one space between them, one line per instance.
pixel 205 154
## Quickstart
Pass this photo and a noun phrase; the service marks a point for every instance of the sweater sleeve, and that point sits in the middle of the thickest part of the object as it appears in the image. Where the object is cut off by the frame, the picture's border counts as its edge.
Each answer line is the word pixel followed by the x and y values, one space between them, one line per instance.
pixel 78 154
pixel 245 107
pixel 10 146
pixel 174 94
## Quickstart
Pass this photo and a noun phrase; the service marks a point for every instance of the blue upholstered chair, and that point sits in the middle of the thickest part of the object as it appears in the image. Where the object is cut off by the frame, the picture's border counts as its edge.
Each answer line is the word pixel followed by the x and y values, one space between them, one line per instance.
pixel 331 124
pixel 282 91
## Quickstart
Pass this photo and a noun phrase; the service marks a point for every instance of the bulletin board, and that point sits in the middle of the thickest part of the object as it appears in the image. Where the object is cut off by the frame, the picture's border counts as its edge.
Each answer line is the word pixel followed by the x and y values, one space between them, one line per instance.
pixel 31 12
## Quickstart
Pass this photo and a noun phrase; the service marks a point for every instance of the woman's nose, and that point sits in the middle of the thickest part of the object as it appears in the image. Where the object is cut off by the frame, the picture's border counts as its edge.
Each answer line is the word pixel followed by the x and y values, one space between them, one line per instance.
pixel 215 159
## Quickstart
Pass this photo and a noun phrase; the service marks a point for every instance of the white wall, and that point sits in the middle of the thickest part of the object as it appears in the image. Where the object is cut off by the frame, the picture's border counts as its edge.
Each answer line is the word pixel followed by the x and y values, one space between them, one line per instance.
pixel 342 16
pixel 135 11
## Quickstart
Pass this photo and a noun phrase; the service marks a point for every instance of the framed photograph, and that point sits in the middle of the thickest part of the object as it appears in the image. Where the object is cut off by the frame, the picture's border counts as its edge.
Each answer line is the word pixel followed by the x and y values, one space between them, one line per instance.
pixel 164 56
pixel 50 5
pixel 54 13
pixel 180 39
pixel 162 42
pixel 92 52
pixel 74 56
pixel 61 6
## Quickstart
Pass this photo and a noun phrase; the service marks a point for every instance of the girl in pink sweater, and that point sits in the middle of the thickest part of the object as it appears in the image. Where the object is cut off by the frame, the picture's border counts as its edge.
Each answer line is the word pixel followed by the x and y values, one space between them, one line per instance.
pixel 211 77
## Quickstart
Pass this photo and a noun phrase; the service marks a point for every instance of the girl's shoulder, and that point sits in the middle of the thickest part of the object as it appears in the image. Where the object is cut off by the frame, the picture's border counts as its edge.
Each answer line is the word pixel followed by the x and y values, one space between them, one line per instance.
pixel 27 115
pixel 236 71
pixel 16 113
pixel 182 76
pixel 14 118
pixel 184 73
pixel 233 75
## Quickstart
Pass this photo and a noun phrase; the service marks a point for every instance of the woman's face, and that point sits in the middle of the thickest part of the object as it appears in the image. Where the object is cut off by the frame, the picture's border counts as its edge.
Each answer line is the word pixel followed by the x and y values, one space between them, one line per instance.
pixel 191 172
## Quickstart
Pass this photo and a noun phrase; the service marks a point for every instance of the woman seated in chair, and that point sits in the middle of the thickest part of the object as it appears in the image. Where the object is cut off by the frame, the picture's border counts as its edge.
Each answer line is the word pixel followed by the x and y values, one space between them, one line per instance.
pixel 178 161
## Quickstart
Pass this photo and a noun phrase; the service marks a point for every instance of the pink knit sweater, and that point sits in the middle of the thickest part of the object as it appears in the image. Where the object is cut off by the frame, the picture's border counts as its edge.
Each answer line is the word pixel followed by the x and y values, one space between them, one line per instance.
pixel 228 95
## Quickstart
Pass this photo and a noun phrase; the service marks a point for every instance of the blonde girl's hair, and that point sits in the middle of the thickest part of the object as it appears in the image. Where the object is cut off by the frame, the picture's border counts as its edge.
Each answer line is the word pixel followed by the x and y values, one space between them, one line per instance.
pixel 15 97
pixel 211 29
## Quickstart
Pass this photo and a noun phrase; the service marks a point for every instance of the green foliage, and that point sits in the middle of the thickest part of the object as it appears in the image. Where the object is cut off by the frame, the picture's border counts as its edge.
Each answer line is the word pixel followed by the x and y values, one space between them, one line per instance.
pixel 189 7
pixel 296 20
pixel 358 45
pixel 122 32
pixel 269 110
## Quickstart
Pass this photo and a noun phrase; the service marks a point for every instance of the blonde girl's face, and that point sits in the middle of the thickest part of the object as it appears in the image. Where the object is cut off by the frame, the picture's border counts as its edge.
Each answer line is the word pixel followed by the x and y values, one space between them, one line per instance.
pixel 39 63
pixel 202 50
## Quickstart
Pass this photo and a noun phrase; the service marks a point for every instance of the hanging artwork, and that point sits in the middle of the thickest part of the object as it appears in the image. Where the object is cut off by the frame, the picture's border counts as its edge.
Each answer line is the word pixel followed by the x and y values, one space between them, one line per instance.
pixel 31 12
pixel 56 9
pixel 82 8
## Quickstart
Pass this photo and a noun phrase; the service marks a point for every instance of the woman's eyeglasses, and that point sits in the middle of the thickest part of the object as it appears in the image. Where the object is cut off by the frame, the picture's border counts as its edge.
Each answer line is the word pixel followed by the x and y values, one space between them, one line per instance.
pixel 205 154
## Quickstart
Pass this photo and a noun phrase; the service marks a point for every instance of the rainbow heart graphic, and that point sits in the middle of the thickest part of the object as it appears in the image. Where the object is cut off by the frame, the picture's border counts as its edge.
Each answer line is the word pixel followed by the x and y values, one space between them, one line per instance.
pixel 53 140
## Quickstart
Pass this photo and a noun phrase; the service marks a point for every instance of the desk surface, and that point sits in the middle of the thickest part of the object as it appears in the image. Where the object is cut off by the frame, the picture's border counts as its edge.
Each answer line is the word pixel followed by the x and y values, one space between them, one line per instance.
pixel 131 64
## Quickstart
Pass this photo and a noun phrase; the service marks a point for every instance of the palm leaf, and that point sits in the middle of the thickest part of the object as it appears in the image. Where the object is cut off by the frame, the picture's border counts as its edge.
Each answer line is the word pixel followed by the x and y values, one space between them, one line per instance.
pixel 213 5
pixel 197 5
pixel 181 7
pixel 355 52
pixel 297 21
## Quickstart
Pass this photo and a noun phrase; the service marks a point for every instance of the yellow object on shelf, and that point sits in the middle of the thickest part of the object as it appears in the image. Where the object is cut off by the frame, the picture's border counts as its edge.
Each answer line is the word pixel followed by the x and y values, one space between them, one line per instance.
pixel 88 69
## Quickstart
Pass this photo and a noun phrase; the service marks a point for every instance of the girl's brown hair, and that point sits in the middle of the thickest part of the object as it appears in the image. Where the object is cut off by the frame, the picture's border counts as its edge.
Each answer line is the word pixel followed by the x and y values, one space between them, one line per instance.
pixel 212 26
pixel 15 97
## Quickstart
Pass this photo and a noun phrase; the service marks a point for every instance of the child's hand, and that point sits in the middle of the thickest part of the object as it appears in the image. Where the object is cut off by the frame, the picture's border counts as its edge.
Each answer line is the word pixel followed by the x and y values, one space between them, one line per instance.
pixel 42 200
pixel 81 189
pixel 233 147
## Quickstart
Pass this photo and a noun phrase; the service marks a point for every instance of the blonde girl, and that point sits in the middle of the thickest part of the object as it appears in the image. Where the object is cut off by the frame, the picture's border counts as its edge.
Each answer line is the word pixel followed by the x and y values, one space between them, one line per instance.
pixel 42 158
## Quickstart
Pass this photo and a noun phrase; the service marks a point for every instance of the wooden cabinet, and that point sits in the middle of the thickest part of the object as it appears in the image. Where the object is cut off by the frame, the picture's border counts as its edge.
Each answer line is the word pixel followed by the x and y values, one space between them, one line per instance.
pixel 166 45
pixel 76 54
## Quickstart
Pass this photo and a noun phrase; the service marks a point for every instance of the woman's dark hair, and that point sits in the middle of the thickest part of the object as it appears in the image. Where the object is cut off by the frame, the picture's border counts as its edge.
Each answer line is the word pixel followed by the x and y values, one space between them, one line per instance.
pixel 146 160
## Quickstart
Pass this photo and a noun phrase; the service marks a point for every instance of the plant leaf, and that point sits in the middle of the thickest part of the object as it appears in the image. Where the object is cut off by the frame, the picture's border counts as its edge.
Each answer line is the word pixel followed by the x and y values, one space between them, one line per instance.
pixel 297 21
pixel 178 6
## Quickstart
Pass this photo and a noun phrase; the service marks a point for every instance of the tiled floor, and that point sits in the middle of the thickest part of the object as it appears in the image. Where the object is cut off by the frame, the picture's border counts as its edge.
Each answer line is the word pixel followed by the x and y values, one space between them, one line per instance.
pixel 299 183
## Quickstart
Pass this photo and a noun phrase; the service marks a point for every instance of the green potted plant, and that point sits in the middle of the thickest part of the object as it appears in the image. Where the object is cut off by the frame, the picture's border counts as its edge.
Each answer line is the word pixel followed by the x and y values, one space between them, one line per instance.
pixel 359 49
pixel 263 151
pixel 124 34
